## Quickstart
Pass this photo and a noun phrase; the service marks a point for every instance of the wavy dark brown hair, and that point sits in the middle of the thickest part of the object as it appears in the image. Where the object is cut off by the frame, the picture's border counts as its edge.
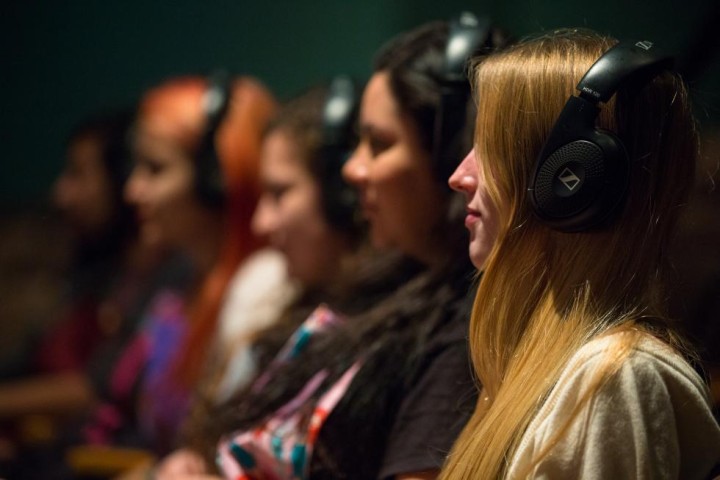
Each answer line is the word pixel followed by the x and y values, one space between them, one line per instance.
pixel 394 304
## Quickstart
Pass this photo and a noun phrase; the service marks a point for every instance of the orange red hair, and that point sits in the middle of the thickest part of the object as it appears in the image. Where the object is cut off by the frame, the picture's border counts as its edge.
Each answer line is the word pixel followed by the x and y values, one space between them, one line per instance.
pixel 177 106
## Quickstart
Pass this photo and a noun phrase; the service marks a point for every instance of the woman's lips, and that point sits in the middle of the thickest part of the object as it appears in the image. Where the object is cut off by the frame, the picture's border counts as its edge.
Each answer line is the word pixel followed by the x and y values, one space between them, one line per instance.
pixel 366 207
pixel 472 217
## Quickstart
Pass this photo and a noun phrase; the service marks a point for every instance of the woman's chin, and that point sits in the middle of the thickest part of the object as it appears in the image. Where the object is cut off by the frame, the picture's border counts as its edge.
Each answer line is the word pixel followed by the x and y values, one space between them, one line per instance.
pixel 152 236
pixel 379 240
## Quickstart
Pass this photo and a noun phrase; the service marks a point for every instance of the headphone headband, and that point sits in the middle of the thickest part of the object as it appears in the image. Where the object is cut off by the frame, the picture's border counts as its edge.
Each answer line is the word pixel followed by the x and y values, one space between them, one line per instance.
pixel 210 181
pixel 625 61
pixel 339 110
pixel 216 99
pixel 339 200
pixel 467 35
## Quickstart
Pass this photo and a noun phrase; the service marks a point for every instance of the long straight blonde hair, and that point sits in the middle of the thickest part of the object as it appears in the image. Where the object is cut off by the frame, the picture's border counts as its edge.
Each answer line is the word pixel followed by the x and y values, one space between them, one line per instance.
pixel 544 293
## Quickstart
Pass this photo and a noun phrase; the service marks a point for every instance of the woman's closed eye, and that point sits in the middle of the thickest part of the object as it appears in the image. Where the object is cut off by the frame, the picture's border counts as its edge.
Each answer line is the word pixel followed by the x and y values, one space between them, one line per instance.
pixel 377 141
pixel 149 165
pixel 378 145
pixel 275 190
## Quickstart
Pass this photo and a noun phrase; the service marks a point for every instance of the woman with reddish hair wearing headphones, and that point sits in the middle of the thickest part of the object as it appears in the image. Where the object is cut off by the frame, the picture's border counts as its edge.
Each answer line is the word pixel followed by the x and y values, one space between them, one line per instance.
pixel 196 146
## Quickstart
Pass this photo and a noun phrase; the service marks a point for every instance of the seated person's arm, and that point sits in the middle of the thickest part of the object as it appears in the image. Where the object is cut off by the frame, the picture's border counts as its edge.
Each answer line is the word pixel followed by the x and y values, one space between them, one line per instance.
pixel 52 394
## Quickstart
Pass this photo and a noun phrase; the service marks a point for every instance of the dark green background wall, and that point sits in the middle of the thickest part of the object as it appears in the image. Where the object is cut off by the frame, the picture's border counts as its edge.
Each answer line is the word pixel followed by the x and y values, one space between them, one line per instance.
pixel 61 60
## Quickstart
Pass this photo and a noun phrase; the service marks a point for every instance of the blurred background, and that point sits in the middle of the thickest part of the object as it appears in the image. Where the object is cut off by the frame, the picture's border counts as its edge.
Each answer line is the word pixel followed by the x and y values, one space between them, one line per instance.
pixel 61 61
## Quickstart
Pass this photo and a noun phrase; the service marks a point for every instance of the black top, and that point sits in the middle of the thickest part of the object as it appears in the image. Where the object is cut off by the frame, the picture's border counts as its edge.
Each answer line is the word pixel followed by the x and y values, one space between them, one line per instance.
pixel 415 422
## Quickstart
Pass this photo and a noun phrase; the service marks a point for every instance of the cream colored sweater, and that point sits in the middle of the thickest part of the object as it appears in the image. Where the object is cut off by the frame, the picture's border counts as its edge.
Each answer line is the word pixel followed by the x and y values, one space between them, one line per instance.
pixel 652 422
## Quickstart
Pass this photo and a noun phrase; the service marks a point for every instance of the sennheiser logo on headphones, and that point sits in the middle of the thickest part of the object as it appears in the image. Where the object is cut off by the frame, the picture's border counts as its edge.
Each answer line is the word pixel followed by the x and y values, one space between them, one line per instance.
pixel 569 179
pixel 644 44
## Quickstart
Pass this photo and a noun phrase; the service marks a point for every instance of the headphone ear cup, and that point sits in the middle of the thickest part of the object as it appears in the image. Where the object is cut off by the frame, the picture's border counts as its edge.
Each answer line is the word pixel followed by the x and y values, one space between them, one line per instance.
pixel 339 199
pixel 582 173
pixel 582 182
pixel 209 175
pixel 209 179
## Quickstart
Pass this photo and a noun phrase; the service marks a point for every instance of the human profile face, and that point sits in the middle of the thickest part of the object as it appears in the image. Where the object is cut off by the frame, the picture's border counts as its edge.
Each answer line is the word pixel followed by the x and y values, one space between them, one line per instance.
pixel 83 191
pixel 482 219
pixel 161 187
pixel 391 170
pixel 290 216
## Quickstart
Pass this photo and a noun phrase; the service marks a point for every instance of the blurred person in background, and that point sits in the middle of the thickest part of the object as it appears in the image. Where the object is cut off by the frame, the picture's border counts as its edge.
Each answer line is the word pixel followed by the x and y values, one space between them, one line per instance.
pixel 392 376
pixel 196 145
pixel 111 280
pixel 309 214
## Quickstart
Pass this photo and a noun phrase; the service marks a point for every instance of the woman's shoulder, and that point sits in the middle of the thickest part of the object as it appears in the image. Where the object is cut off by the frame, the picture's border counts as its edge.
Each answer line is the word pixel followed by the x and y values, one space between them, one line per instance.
pixel 257 293
pixel 653 403
pixel 644 358
pixel 267 266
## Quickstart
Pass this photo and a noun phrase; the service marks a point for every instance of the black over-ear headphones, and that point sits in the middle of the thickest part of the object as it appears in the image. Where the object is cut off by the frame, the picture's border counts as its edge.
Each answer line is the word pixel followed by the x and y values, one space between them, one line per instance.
pixel 582 173
pixel 340 111
pixel 468 34
pixel 209 178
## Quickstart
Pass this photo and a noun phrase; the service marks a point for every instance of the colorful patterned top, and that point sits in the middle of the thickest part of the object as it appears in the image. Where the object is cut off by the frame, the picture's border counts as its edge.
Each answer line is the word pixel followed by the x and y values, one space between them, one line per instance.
pixel 365 424
pixel 145 404
pixel 280 448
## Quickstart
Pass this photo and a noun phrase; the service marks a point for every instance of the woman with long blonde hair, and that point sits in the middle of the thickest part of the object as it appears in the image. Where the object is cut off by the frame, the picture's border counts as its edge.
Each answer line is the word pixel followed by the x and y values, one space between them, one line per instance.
pixel 582 374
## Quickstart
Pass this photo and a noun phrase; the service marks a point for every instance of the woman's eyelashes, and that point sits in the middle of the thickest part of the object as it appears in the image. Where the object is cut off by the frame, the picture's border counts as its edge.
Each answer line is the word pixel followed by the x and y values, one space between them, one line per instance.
pixel 377 142
pixel 276 190
pixel 149 165
pixel 378 146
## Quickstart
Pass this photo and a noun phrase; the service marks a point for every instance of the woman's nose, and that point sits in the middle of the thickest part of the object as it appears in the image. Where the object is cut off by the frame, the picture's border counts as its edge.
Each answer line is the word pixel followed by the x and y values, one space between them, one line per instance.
pixel 261 223
pixel 355 169
pixel 465 177
pixel 132 188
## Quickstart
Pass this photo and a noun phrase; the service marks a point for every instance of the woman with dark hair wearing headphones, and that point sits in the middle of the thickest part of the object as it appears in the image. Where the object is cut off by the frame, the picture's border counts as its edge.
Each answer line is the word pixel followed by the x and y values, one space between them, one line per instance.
pixel 380 391
pixel 582 374
pixel 305 214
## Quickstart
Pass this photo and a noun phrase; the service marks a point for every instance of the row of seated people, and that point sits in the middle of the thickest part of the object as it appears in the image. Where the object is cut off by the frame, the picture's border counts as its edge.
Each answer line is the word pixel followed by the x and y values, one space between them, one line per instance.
pixel 323 289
